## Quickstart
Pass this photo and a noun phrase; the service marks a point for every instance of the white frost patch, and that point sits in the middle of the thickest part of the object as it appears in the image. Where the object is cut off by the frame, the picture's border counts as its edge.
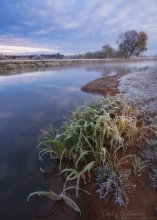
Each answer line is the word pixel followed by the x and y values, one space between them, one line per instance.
pixel 141 87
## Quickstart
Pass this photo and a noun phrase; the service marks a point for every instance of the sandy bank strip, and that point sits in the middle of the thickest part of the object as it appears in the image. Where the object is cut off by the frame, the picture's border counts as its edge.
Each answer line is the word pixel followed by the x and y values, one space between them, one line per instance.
pixel 7 66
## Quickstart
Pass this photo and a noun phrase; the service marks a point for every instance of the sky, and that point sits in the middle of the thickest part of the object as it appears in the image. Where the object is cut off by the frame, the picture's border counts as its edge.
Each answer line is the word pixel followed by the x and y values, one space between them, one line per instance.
pixel 73 26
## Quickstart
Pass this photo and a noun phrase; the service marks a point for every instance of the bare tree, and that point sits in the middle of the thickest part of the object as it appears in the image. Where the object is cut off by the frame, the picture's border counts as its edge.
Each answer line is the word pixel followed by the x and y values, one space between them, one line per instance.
pixel 108 51
pixel 132 43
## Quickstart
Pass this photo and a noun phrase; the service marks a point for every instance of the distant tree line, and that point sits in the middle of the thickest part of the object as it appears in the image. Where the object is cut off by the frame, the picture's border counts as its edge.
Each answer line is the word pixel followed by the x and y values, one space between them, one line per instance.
pixel 130 43
pixel 32 57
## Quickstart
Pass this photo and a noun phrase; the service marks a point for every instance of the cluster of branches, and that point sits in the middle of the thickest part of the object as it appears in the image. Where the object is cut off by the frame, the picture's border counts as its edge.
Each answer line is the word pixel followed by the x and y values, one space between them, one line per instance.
pixel 130 43
pixel 106 52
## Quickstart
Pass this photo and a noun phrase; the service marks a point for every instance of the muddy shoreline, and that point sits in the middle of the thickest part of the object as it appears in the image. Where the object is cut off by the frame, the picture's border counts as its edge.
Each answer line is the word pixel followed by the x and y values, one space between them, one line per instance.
pixel 17 66
pixel 107 85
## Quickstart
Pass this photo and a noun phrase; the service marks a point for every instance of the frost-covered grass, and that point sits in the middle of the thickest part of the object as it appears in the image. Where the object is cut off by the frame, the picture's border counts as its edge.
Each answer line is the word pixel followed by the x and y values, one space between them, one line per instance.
pixel 149 153
pixel 141 87
pixel 94 141
pixel 114 183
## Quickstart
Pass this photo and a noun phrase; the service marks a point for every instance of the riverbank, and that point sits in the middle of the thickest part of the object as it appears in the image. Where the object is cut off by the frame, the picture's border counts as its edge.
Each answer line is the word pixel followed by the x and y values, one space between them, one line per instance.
pixel 17 66
pixel 139 86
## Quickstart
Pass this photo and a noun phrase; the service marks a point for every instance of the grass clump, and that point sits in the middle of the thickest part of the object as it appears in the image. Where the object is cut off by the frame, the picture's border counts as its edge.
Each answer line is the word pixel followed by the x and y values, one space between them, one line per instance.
pixel 149 153
pixel 114 183
pixel 95 141
pixel 138 165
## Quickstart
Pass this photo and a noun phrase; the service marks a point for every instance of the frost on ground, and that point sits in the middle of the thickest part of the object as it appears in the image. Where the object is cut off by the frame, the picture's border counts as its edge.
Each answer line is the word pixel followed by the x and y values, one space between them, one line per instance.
pixel 141 87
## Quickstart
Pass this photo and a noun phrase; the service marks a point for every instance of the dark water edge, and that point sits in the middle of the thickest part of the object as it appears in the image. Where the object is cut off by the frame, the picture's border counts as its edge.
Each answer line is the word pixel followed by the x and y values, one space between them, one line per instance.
pixel 30 102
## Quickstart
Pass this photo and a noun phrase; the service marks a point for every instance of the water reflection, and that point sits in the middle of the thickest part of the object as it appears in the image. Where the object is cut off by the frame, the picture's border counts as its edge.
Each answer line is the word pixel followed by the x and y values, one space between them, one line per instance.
pixel 29 102
pixel 112 69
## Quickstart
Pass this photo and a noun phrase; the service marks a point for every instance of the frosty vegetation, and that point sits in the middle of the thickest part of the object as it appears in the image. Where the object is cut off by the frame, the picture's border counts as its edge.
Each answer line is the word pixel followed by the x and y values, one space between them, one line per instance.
pixel 141 87
pixel 95 142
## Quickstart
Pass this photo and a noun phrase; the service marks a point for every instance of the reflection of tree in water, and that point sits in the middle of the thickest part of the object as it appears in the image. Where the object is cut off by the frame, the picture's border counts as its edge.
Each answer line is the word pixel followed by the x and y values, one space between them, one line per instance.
pixel 111 70
pixel 114 70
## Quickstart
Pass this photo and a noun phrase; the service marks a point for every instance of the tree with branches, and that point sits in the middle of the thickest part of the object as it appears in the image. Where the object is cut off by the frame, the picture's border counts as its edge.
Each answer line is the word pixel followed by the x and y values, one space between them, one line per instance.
pixel 132 43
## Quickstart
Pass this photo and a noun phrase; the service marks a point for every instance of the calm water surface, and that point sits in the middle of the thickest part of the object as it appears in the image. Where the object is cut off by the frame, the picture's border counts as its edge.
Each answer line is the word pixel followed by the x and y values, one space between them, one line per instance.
pixel 30 102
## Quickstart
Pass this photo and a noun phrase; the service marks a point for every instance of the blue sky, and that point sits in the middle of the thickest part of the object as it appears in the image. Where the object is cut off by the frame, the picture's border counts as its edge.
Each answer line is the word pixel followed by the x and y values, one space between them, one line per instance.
pixel 73 26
